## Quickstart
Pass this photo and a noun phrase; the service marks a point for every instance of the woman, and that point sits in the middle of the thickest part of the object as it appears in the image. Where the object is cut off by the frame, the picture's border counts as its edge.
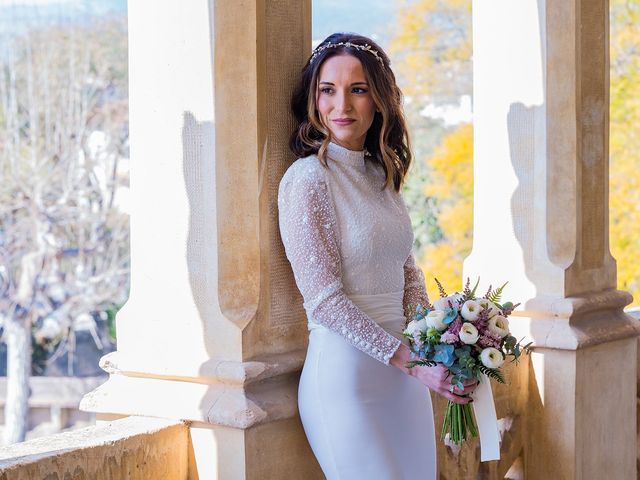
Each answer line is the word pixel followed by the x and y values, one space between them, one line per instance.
pixel 348 236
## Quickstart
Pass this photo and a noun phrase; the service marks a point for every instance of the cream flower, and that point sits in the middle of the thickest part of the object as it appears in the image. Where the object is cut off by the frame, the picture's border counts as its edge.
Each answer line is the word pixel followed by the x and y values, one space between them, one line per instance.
pixel 499 325
pixel 443 303
pixel 468 333
pixel 491 358
pixel 416 325
pixel 470 310
pixel 489 306
pixel 435 319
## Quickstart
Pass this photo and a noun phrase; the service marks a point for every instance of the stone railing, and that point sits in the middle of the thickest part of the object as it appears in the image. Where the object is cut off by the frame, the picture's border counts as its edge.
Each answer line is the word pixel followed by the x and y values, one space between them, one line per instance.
pixel 147 448
pixel 133 448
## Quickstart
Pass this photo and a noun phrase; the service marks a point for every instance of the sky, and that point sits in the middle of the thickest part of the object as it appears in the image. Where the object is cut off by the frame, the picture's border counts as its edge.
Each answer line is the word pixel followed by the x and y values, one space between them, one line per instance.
pixel 372 18
pixel 17 15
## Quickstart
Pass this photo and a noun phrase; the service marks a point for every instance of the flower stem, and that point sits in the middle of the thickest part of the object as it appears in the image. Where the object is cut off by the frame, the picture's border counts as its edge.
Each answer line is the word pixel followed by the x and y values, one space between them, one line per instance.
pixel 470 420
pixel 446 425
pixel 454 420
pixel 460 424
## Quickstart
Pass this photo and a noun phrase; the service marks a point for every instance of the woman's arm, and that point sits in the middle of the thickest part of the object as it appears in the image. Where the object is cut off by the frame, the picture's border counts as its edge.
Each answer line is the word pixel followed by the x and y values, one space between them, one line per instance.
pixel 415 291
pixel 308 229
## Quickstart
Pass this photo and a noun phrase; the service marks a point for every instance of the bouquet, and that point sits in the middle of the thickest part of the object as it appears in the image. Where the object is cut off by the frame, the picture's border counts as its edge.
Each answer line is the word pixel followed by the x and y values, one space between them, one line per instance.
pixel 468 335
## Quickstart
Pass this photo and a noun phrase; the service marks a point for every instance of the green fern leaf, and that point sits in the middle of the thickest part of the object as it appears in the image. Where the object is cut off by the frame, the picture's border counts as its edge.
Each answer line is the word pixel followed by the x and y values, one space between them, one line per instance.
pixel 492 373
pixel 497 293
pixel 421 363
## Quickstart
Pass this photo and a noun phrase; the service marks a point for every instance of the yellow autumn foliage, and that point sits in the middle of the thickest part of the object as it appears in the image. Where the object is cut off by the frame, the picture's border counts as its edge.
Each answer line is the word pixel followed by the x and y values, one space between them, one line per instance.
pixel 451 168
pixel 624 143
pixel 432 47
pixel 427 63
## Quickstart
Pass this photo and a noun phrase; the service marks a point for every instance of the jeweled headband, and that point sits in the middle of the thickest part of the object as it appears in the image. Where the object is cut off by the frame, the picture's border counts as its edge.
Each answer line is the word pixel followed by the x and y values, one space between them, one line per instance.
pixel 365 48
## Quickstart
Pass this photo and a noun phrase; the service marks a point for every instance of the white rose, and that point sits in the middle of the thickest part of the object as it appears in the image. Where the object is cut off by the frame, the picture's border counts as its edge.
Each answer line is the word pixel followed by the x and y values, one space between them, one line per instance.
pixel 470 310
pixel 468 333
pixel 488 305
pixel 443 303
pixel 498 325
pixel 414 325
pixel 435 319
pixel 491 358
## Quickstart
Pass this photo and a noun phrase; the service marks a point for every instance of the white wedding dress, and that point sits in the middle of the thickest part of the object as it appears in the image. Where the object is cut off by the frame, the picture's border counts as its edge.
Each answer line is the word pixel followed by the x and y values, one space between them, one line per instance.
pixel 349 243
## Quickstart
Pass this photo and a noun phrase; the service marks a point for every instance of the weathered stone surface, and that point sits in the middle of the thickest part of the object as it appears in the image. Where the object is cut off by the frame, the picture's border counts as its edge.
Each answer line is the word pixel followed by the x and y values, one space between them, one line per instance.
pixel 132 448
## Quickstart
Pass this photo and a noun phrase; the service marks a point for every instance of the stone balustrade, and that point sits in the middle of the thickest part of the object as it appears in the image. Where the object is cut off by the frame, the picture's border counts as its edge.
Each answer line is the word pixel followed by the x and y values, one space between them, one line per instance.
pixel 149 448
pixel 133 448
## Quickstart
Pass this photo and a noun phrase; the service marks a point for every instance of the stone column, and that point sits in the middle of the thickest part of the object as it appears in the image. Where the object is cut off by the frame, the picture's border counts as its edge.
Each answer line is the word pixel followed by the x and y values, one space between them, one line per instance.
pixel 541 116
pixel 214 331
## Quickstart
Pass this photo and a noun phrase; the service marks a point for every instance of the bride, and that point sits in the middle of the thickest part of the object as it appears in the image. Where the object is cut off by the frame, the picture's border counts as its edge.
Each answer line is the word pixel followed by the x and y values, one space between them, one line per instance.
pixel 347 234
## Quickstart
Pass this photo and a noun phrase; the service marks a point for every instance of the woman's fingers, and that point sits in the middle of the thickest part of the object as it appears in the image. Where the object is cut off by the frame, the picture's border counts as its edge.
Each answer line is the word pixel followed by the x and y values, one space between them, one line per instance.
pixel 438 379
pixel 469 389
pixel 455 398
pixel 457 395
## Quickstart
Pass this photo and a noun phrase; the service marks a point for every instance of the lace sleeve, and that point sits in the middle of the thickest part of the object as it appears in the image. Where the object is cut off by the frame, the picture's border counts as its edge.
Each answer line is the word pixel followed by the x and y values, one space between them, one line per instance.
pixel 308 229
pixel 415 291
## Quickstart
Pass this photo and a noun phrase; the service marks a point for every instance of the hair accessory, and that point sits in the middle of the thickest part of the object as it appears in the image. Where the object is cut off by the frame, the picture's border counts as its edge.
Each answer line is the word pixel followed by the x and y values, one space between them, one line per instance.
pixel 365 48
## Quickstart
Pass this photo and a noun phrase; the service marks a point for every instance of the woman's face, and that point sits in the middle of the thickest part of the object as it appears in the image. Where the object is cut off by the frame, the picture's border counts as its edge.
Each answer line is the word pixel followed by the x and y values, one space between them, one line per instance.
pixel 344 102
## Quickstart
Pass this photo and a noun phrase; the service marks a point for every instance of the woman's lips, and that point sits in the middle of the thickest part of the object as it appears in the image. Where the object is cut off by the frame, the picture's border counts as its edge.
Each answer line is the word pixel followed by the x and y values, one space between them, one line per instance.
pixel 344 121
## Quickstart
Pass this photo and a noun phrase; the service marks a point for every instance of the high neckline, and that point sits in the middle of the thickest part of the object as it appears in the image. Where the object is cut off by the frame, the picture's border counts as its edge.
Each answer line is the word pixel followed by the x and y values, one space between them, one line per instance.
pixel 344 155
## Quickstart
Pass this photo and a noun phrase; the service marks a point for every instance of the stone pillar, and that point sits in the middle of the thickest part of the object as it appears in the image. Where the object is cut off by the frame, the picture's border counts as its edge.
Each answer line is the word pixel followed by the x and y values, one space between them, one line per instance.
pixel 214 331
pixel 541 119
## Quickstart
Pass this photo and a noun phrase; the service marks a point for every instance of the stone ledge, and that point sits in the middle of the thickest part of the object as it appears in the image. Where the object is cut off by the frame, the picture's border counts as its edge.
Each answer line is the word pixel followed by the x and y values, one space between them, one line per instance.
pixel 214 371
pixel 575 308
pixel 218 404
pixel 239 395
pixel 134 448
pixel 574 323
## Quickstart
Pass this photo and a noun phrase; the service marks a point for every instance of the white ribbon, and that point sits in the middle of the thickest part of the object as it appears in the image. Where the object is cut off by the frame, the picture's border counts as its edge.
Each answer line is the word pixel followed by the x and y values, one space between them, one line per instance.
pixel 487 420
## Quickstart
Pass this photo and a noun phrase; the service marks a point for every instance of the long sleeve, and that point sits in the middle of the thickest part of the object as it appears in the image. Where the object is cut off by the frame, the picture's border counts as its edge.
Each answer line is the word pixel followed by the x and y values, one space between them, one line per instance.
pixel 415 291
pixel 308 229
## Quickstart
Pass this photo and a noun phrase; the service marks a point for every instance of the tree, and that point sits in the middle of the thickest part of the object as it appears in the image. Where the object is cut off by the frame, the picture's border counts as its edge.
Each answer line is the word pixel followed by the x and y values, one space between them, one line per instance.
pixel 63 244
pixel 451 168
pixel 433 48
pixel 624 143
pixel 432 57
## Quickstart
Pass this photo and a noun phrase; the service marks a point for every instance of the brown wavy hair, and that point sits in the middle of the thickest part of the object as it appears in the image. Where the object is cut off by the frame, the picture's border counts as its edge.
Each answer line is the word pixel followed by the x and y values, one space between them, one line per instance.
pixel 387 139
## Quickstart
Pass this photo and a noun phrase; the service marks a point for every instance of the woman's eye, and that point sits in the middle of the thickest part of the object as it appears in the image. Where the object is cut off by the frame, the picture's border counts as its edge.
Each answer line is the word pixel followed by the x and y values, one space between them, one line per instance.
pixel 359 90
pixel 325 90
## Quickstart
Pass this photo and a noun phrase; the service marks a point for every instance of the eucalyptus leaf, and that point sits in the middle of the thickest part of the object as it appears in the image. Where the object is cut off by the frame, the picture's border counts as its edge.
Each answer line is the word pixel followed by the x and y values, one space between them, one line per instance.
pixel 450 315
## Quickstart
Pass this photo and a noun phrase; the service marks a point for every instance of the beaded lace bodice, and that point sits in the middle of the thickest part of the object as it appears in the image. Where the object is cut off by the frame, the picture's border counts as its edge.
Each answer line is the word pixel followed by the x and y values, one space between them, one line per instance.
pixel 344 235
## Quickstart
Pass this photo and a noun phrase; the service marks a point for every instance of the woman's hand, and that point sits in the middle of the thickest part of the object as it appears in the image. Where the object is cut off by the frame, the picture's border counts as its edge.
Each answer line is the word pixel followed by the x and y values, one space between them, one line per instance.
pixel 436 378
